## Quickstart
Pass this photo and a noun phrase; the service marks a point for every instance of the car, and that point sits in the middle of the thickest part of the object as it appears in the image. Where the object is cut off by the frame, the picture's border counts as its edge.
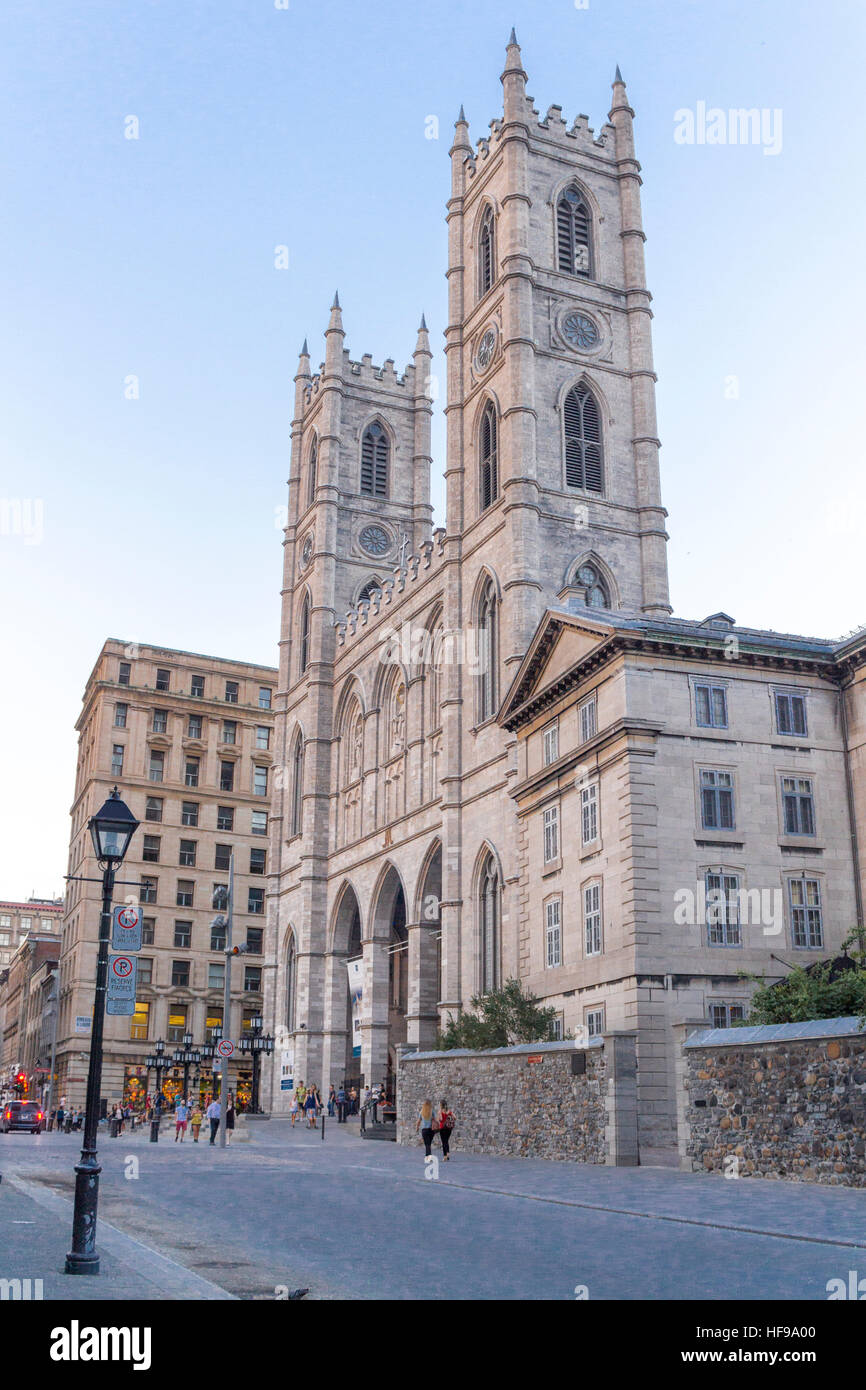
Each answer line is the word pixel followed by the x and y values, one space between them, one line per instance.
pixel 22 1114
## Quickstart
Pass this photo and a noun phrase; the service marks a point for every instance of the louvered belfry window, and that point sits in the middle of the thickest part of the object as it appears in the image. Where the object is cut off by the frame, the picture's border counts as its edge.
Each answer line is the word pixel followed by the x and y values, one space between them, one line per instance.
pixel 486 254
pixel 489 458
pixel 374 461
pixel 583 461
pixel 573 250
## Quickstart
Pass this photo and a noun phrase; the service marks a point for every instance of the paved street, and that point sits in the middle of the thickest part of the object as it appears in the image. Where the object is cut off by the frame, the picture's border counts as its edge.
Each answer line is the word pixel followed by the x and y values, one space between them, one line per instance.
pixel 356 1219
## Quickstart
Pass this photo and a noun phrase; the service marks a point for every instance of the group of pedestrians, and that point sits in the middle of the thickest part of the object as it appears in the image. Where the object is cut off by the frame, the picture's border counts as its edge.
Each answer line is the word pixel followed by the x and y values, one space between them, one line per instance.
pixel 430 1125
pixel 307 1103
pixel 65 1118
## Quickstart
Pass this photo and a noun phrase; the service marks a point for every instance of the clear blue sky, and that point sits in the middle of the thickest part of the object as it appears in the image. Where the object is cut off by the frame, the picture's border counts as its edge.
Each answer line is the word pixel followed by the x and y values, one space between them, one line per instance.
pixel 305 127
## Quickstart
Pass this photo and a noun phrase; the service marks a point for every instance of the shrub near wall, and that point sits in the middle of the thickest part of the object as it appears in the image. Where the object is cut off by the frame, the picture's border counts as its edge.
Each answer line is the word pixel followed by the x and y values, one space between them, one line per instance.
pixel 506 1104
pixel 786 1100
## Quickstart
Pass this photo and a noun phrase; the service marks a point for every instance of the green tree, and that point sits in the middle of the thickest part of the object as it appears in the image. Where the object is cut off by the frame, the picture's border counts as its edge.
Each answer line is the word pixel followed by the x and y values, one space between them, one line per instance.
pixel 498 1019
pixel 806 994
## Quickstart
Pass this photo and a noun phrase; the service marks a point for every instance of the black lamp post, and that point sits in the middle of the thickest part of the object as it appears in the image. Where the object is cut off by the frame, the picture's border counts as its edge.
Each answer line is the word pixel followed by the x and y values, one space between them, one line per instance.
pixel 185 1056
pixel 157 1062
pixel 111 830
pixel 255 1044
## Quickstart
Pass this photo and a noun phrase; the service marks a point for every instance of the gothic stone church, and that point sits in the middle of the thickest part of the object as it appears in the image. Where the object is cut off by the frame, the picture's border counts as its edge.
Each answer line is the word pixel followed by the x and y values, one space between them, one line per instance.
pixel 499 754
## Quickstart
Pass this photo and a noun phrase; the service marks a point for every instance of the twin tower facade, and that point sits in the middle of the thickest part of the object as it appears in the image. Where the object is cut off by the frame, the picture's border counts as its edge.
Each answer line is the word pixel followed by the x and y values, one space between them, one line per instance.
pixel 395 845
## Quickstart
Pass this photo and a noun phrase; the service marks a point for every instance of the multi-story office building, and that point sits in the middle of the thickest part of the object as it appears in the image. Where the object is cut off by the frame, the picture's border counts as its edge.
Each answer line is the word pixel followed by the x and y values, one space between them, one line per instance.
pixel 187 740
pixel 19 919
pixel 27 1002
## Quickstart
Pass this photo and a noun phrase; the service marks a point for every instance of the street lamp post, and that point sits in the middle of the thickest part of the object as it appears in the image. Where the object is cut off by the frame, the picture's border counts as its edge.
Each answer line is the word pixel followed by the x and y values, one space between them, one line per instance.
pixel 223 901
pixel 255 1044
pixel 111 830
pixel 185 1056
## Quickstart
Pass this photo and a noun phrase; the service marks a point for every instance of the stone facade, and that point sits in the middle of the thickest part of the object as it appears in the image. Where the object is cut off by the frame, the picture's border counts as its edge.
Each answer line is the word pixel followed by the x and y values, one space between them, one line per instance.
pixel 523 1101
pixel 787 1101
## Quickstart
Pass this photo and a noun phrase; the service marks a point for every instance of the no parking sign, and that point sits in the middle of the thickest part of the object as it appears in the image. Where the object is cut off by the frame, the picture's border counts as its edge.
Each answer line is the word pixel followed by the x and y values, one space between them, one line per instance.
pixel 126 928
pixel 120 997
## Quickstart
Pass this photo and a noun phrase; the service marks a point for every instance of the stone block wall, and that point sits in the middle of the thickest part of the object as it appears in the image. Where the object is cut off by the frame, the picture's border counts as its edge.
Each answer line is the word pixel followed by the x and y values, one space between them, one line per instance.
pixel 507 1104
pixel 784 1101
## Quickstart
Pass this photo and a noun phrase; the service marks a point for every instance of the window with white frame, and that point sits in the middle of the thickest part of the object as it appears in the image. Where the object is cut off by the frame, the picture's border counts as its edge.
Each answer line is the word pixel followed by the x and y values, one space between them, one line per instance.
pixel 723 908
pixel 551 834
pixel 557 1028
pixel 725 1015
pixel 798 806
pixel 807 927
pixel 553 932
pixel 711 706
pixel 717 799
pixel 587 717
pixel 589 813
pixel 593 1022
pixel 790 713
pixel 592 919
pixel 550 744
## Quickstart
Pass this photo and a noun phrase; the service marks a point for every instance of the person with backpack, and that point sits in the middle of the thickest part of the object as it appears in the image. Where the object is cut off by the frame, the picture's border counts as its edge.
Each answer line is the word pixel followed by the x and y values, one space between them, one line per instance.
pixel 447 1121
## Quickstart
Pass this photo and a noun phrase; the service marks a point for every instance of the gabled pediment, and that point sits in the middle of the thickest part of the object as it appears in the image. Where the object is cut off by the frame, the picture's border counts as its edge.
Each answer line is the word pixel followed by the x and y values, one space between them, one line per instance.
pixel 561 642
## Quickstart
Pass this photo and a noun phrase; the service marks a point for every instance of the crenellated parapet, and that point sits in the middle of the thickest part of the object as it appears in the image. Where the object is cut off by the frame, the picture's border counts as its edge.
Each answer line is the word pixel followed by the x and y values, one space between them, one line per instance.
pixel 406 574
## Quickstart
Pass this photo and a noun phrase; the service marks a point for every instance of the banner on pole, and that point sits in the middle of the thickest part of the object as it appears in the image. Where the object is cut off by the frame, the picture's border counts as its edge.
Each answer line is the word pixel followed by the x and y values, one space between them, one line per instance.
pixel 356 995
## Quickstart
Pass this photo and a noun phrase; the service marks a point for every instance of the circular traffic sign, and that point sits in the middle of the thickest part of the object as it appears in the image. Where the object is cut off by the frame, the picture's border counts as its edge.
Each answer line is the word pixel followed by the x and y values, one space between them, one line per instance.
pixel 128 917
pixel 122 967
pixel 225 1047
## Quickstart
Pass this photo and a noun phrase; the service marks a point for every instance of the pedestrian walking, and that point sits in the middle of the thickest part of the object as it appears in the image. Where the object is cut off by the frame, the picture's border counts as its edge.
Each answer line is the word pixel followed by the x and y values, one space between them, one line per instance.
pixel 195 1122
pixel 312 1105
pixel 295 1108
pixel 424 1122
pixel 181 1115
pixel 61 1115
pixel 341 1106
pixel 447 1121
pixel 213 1114
pixel 353 1101
pixel 332 1100
pixel 230 1118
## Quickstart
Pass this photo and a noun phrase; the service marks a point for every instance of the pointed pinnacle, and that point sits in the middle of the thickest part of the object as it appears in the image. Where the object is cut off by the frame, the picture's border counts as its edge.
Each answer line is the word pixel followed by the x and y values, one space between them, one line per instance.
pixel 305 351
pixel 423 325
pixel 461 119
pixel 512 42
pixel 336 303
pixel 619 76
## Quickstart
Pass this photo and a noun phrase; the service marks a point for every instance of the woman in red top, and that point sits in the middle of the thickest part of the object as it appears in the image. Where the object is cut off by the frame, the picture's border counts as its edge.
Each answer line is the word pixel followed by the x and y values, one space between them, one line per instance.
pixel 447 1121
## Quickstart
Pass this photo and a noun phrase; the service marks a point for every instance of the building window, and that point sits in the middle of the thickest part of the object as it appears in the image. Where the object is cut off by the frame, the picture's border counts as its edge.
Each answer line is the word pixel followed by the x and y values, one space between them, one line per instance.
pixel 192 771
pixel 227 776
pixel 185 891
pixel 556 1028
pixel 291 983
pixel 140 1022
pixel 153 808
pixel 232 689
pixel 374 461
pixel 163 678
pixel 253 979
pixel 726 1015
pixel 259 823
pixel 213 1021
pixel 257 861
pixel 551 834
pixel 177 1015
pixel 255 901
pixel 183 936
pixel 156 765
pixel 225 818
pixel 230 730
pixel 488 458
pixel 187 854
pixel 573 242
pixel 711 706
pixel 593 1021
pixel 587 720
pixel 120 713
pixel 595 591
pixel 717 800
pixel 217 937
pixel 216 971
pixel 553 932
pixel 723 909
pixel 260 780
pixel 123 673
pixel 304 640
pixel 160 721
pixel 589 813
pixel 550 744
pixel 296 820
pixel 148 929
pixel 255 940
pixel 486 253
pixel 263 736
pixel 489 915
pixel 798 806
pixel 144 974
pixel 790 714
pixel 189 813
pixel 222 856
pixel 583 456
pixel 488 652
pixel 117 760
pixel 264 697
pixel 150 849
pixel 148 889
pixel 194 726
pixel 592 919
pixel 197 687
pixel 807 930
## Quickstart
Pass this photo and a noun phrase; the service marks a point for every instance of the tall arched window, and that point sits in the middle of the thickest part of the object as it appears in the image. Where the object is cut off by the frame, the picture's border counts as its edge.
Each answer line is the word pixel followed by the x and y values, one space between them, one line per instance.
pixel 312 469
pixel 488 653
pixel 486 253
pixel 374 461
pixel 296 814
pixel 583 457
pixel 573 239
pixel 372 586
pixel 595 591
pixel 489 917
pixel 488 456
pixel 304 637
pixel 291 983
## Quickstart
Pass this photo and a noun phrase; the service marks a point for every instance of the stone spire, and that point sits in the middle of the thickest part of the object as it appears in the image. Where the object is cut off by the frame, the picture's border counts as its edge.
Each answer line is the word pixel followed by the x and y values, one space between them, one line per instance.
pixel 334 339
pixel 514 81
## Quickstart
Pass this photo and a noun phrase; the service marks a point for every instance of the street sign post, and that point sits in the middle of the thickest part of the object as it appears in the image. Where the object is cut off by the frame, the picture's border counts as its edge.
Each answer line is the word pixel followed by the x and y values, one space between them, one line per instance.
pixel 126 928
pixel 120 994
pixel 224 1048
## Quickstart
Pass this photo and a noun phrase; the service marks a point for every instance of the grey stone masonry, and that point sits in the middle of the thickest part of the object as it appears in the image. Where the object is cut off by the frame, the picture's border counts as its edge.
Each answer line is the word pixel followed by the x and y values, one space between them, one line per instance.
pixel 787 1101
pixel 539 1100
